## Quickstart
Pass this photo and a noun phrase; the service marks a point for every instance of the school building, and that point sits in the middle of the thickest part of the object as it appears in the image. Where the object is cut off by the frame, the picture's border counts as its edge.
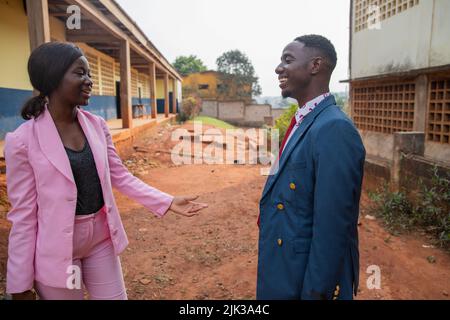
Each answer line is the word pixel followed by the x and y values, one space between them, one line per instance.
pixel 399 76
pixel 132 78
pixel 210 85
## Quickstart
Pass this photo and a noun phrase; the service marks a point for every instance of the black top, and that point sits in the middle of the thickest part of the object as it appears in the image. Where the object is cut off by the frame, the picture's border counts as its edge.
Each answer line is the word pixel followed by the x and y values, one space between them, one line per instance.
pixel 89 196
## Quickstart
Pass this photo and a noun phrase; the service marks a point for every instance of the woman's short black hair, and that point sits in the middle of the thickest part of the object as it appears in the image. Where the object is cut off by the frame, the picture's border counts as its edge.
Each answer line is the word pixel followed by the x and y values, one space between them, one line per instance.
pixel 322 44
pixel 46 67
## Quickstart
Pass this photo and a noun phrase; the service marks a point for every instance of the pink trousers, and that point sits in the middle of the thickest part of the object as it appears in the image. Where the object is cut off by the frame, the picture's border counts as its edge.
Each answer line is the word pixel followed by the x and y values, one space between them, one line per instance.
pixel 94 263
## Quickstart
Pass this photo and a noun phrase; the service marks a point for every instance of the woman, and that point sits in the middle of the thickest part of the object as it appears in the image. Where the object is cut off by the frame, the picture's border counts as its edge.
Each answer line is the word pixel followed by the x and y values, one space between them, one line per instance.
pixel 61 167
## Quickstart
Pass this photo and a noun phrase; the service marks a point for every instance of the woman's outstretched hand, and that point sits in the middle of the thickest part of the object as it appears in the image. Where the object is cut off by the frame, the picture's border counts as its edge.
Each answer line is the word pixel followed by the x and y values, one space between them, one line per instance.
pixel 186 206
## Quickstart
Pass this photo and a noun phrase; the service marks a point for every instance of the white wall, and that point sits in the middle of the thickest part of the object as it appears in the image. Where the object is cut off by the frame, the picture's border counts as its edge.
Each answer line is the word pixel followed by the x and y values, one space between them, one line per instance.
pixel 413 39
pixel 440 37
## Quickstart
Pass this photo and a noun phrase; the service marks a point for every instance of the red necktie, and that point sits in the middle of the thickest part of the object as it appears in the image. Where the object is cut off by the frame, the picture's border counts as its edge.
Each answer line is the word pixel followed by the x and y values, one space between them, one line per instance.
pixel 286 136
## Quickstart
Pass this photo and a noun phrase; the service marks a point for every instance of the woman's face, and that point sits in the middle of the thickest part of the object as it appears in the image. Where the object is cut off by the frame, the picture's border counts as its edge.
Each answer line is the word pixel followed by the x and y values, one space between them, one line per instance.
pixel 76 85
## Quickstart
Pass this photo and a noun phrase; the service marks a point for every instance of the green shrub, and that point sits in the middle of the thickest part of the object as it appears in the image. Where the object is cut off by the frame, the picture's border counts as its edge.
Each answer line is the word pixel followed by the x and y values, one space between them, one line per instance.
pixel 433 211
pixel 282 123
pixel 182 117
pixel 394 208
pixel 190 108
pixel 427 209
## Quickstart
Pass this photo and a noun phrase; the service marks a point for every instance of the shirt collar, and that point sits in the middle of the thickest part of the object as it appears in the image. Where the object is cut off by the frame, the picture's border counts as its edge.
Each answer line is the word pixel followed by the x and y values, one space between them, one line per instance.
pixel 302 111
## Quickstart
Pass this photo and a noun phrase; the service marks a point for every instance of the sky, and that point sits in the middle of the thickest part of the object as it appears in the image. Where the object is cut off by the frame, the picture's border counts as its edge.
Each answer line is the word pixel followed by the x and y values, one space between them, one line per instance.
pixel 259 28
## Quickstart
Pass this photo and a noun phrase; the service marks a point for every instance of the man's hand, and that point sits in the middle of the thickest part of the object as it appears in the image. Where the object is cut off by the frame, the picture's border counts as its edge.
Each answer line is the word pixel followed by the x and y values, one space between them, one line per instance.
pixel 186 206
pixel 26 295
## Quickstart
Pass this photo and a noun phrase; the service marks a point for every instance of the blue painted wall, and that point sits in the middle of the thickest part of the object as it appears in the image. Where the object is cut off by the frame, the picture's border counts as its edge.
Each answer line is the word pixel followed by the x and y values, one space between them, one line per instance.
pixel 103 106
pixel 145 102
pixel 11 102
pixel 160 105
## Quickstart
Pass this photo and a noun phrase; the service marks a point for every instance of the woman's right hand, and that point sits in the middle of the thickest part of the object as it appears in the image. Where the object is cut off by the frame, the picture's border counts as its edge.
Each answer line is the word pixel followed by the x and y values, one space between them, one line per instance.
pixel 27 295
pixel 186 206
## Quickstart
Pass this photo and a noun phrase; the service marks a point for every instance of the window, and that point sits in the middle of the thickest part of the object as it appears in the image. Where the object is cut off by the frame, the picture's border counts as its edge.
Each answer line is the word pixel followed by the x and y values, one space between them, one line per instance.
pixel 107 77
pixel 203 86
pixel 438 124
pixel 140 94
pixel 134 82
pixel 384 107
pixel 365 10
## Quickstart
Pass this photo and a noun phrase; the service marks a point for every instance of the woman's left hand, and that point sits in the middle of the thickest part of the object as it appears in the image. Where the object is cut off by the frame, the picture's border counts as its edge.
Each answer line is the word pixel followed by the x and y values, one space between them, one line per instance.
pixel 186 206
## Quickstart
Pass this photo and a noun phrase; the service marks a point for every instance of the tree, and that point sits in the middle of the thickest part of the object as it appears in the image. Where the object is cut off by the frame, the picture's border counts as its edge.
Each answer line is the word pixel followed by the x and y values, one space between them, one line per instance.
pixel 237 73
pixel 188 64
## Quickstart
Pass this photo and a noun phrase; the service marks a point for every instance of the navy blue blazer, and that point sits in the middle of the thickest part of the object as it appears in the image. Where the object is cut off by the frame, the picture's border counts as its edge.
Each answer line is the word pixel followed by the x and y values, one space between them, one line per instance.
pixel 308 240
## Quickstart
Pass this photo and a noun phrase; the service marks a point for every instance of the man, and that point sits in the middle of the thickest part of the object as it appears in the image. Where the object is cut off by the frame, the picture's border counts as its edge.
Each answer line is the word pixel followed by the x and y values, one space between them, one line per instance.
pixel 308 243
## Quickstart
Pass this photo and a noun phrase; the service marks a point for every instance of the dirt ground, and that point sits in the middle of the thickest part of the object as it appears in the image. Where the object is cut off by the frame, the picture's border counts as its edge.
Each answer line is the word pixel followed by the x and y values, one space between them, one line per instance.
pixel 214 255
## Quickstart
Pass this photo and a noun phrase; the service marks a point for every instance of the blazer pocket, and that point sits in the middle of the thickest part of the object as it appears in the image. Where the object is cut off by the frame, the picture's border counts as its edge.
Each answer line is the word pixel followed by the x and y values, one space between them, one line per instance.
pixel 301 245
pixel 296 165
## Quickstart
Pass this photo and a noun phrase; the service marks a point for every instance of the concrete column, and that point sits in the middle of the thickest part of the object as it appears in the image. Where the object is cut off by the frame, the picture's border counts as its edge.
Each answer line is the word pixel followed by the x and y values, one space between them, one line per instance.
pixel 174 96
pixel 125 84
pixel 38 23
pixel 421 104
pixel 166 95
pixel 152 74
pixel 350 101
pixel 405 143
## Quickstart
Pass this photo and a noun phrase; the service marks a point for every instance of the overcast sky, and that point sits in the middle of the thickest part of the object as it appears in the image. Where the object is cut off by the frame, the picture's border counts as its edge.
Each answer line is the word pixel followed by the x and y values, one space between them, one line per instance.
pixel 259 28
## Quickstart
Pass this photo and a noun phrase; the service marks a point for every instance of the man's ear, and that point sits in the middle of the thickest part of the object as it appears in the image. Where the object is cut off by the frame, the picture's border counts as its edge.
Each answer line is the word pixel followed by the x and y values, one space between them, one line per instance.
pixel 316 65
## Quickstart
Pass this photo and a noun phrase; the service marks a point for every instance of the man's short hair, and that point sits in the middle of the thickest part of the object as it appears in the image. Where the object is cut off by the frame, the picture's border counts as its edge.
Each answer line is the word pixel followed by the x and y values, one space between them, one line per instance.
pixel 322 44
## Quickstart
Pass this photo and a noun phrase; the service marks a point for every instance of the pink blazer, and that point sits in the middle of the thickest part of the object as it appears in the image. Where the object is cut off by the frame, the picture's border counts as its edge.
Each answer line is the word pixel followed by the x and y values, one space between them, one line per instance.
pixel 43 196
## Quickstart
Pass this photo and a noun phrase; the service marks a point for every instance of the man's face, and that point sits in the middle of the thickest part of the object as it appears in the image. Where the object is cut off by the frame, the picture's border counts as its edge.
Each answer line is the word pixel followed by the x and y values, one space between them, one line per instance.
pixel 293 70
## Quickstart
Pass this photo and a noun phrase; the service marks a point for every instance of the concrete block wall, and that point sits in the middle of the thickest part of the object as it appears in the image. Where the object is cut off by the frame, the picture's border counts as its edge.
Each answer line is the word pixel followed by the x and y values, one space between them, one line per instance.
pixel 238 113
pixel 405 143
pixel 255 114
pixel 231 110
pixel 406 165
pixel 415 168
pixel 437 151
pixel 377 144
pixel 209 108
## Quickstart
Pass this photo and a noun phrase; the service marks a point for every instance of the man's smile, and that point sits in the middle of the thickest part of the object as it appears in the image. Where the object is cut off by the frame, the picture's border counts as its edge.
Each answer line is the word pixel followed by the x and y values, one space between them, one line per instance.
pixel 283 82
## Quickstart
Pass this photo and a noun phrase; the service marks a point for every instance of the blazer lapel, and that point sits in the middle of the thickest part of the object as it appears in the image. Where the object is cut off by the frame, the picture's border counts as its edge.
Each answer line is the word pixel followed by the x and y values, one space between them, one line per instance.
pixel 293 141
pixel 51 144
pixel 95 142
